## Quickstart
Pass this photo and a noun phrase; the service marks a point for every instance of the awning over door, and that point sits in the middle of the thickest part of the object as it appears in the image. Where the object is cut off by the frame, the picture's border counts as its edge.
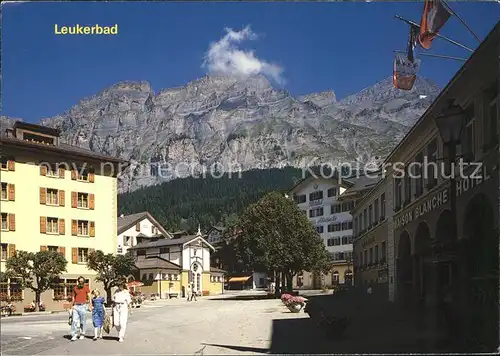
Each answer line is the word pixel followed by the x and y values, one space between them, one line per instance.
pixel 238 279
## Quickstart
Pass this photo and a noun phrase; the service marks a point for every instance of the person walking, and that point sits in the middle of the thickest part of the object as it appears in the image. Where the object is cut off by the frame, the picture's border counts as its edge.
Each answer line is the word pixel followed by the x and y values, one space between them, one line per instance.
pixel 189 293
pixel 122 305
pixel 193 293
pixel 80 306
pixel 98 312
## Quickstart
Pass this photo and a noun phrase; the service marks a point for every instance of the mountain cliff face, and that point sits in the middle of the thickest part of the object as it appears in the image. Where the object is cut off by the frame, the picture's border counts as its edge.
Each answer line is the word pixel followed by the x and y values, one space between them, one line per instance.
pixel 226 124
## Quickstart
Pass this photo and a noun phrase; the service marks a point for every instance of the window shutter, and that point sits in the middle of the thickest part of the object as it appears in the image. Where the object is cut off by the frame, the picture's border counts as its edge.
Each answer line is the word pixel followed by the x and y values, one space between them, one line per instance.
pixel 91 201
pixel 12 192
pixel 62 171
pixel 43 195
pixel 62 227
pixel 11 165
pixel 11 249
pixel 74 174
pixel 91 177
pixel 92 229
pixel 74 199
pixel 62 251
pixel 61 198
pixel 12 222
pixel 43 248
pixel 43 170
pixel 74 255
pixel 43 224
pixel 138 226
pixel 74 227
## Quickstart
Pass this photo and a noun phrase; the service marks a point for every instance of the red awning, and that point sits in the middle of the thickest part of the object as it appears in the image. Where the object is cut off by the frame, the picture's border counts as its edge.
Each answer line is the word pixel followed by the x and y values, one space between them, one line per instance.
pixel 135 284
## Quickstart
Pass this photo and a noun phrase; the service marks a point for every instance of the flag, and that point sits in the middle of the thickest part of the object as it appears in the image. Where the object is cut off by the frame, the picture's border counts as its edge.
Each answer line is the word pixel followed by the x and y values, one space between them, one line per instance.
pixel 412 42
pixel 433 19
pixel 405 72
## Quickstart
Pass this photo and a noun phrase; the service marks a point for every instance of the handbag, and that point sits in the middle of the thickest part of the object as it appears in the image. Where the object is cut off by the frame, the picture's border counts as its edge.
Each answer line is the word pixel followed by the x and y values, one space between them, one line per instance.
pixel 107 324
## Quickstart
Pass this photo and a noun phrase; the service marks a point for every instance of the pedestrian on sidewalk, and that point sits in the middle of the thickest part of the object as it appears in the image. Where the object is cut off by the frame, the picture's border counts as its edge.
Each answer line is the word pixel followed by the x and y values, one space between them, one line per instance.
pixel 80 306
pixel 189 292
pixel 98 312
pixel 122 305
pixel 193 293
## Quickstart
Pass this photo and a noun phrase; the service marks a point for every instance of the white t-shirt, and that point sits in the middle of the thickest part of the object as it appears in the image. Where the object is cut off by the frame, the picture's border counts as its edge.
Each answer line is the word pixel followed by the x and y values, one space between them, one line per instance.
pixel 122 297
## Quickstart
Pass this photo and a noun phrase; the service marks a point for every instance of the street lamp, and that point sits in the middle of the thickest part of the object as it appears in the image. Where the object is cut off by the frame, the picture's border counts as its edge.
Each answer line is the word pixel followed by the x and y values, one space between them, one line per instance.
pixel 450 124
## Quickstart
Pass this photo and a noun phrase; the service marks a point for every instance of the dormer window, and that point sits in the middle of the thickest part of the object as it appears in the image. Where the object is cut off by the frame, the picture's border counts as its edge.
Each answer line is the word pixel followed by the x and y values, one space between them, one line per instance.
pixel 34 138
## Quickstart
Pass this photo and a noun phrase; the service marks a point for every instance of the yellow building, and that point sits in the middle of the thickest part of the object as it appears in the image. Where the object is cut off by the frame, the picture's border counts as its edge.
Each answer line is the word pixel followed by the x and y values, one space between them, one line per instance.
pixel 166 265
pixel 55 197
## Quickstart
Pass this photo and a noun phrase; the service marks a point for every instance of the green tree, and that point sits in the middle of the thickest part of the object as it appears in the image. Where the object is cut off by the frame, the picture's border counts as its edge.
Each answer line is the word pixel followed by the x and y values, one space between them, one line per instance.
pixel 278 236
pixel 111 269
pixel 36 270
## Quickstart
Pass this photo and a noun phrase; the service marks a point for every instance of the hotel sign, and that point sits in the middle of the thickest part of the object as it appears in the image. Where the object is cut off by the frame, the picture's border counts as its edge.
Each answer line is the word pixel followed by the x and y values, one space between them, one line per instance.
pixel 326 219
pixel 316 202
pixel 428 205
pixel 472 181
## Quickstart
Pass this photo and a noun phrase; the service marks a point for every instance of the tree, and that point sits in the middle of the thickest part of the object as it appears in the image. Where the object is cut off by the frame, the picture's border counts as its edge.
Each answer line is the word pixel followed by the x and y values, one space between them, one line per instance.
pixel 276 234
pixel 36 270
pixel 111 269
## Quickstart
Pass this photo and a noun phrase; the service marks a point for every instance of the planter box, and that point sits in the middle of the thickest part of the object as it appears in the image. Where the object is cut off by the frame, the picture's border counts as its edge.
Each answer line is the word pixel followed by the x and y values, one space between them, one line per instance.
pixel 294 308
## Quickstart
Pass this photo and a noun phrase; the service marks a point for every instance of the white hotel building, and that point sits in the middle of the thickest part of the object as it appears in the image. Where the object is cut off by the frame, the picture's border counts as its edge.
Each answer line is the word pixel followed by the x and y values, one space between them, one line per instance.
pixel 319 199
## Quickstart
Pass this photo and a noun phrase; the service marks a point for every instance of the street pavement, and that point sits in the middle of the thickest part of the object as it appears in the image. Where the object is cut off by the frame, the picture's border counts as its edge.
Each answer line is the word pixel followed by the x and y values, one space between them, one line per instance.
pixel 213 325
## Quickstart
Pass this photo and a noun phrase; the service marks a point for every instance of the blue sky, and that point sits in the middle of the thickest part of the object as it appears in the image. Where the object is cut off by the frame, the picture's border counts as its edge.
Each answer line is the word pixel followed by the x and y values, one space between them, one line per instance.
pixel 318 46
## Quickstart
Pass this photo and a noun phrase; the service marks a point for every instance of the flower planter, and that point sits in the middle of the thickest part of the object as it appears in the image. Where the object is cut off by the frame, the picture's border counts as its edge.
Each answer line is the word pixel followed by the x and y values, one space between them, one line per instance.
pixel 294 308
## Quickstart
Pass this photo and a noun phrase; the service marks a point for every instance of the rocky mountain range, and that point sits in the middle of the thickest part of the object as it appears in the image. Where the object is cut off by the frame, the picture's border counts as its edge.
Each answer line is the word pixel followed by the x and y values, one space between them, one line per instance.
pixel 229 124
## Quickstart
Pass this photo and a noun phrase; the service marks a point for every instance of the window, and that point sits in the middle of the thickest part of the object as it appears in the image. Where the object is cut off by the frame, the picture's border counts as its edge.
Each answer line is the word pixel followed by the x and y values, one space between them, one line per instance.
pixel 432 171
pixel 361 222
pixel 164 250
pixel 127 240
pixel 152 230
pixel 365 259
pixel 407 186
pixel 15 290
pixel 3 253
pixel 5 221
pixel 59 290
pixel 376 217
pixel 320 229
pixel 355 225
pixel 299 199
pixel 382 206
pixel 53 248
pixel 83 228
pixel 468 141
pixel 371 256
pixel 344 240
pixel 52 170
pixel 370 215
pixel 335 277
pixel 384 251
pixel 329 242
pixel 332 192
pixel 350 239
pixel 83 200
pixel 83 174
pixel 347 206
pixel 315 212
pixel 5 194
pixel 376 253
pixel 52 226
pixel 141 252
pixel 419 177
pixel 4 163
pixel 365 218
pixel 83 255
pixel 52 197
pixel 334 227
pixel 335 209
pixel 397 193
pixel 316 195
pixel 336 241
pixel 347 225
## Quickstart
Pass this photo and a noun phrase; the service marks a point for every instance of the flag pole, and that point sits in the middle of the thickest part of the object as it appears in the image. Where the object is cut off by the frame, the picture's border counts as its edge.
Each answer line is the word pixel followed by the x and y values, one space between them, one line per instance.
pixel 436 55
pixel 438 35
pixel 461 20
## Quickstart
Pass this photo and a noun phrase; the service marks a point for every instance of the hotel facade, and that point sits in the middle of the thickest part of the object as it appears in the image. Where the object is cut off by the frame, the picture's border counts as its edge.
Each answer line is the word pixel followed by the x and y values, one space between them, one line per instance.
pixel 55 197
pixel 427 263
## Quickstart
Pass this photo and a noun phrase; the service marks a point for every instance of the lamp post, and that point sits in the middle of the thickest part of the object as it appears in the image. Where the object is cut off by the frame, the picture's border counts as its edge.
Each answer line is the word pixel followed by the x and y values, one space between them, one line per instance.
pixel 450 124
pixel 161 281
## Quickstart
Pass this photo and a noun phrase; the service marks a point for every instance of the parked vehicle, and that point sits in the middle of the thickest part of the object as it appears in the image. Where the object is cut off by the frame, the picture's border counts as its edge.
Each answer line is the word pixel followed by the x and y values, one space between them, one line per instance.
pixel 8 309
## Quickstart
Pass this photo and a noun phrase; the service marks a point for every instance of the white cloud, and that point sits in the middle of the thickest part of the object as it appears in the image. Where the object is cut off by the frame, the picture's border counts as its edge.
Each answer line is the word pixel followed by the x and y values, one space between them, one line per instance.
pixel 225 58
pixel 12 3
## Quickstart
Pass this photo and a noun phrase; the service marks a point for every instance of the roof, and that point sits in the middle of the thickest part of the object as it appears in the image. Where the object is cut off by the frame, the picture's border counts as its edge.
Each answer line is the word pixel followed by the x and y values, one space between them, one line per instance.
pixel 127 221
pixel 169 242
pixel 492 36
pixel 155 262
pixel 339 181
pixel 361 183
pixel 217 270
pixel 36 128
pixel 62 149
